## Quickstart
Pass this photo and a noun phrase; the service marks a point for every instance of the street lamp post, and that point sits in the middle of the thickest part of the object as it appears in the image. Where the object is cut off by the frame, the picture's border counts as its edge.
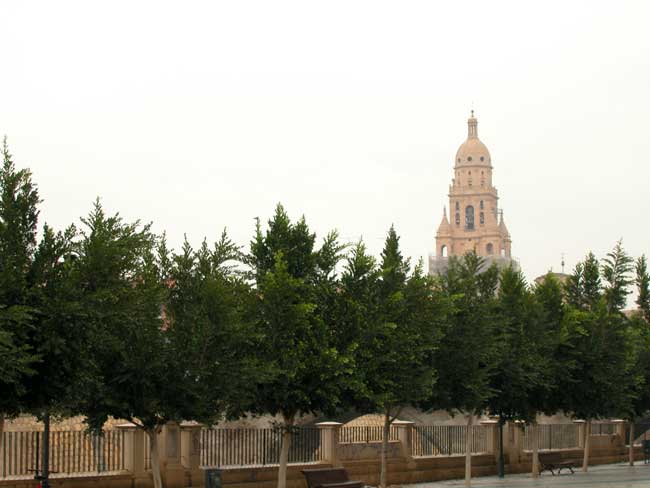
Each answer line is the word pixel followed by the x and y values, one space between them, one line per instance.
pixel 501 458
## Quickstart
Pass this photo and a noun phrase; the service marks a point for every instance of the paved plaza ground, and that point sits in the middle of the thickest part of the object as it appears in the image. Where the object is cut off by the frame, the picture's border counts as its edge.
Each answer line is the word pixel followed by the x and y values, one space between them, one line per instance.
pixel 607 476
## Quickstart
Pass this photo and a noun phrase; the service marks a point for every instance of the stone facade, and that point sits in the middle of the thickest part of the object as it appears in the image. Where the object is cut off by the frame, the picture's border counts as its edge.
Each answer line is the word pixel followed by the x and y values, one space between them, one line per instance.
pixel 476 222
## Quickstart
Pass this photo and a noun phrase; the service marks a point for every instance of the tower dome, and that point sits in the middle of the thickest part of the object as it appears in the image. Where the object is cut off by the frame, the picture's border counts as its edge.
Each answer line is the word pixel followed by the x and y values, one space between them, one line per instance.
pixel 472 152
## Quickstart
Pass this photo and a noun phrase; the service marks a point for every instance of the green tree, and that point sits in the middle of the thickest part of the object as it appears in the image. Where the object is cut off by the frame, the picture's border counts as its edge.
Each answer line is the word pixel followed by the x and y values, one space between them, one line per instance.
pixel 402 314
pixel 584 286
pixel 166 329
pixel 121 293
pixel 555 346
pixel 602 383
pixel 642 281
pixel 208 314
pixel 292 283
pixel 640 332
pixel 468 354
pixel 356 307
pixel 18 227
pixel 523 372
pixel 639 376
pixel 616 269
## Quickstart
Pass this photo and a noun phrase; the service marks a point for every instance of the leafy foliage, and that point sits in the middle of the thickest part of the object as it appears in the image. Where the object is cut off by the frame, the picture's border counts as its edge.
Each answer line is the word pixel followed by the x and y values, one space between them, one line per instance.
pixel 584 287
pixel 616 270
pixel 523 369
pixel 169 334
pixel 469 350
pixel 60 336
pixel 293 283
pixel 601 383
pixel 122 294
pixel 18 226
pixel 547 396
pixel 642 281
pixel 401 317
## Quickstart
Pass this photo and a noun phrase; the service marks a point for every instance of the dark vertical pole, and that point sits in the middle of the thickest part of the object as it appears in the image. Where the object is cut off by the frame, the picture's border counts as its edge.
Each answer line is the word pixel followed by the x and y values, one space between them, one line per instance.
pixel 37 452
pixel 46 451
pixel 501 459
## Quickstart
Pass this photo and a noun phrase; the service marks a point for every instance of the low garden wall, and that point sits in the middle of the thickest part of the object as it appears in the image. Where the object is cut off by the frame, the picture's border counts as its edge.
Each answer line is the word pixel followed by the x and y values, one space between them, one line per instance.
pixel 248 458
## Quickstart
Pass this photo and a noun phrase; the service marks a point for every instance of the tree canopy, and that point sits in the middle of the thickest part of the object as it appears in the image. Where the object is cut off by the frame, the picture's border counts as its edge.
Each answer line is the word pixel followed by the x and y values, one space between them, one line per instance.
pixel 104 320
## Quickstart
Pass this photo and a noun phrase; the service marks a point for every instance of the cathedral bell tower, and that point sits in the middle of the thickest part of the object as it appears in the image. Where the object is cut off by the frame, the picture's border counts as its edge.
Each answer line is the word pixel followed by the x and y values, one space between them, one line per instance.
pixel 475 221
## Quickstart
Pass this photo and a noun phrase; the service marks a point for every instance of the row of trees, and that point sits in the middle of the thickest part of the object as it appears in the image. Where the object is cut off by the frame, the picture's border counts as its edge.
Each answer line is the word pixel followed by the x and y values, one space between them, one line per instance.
pixel 104 320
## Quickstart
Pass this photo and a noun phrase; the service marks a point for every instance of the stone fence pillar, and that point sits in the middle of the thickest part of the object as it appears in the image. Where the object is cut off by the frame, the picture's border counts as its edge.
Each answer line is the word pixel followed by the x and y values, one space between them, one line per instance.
pixel 581 432
pixel 134 450
pixel 191 452
pixel 492 427
pixel 514 441
pixel 329 441
pixel 405 437
pixel 620 429
pixel 170 453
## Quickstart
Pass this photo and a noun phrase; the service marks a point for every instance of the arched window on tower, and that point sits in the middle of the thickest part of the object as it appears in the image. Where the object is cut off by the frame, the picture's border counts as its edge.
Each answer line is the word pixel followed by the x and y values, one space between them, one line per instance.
pixel 457 218
pixel 482 218
pixel 443 251
pixel 481 205
pixel 489 249
pixel 457 206
pixel 469 217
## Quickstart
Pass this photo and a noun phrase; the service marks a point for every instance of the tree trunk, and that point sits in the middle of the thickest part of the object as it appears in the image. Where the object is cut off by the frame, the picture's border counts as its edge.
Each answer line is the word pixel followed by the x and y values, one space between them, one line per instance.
pixel 535 438
pixel 468 450
pixel 631 452
pixel 284 451
pixel 383 474
pixel 585 457
pixel 155 457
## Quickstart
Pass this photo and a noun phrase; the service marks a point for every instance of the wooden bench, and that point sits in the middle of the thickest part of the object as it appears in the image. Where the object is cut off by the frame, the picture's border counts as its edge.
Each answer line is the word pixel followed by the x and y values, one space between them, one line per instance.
pixel 551 462
pixel 329 478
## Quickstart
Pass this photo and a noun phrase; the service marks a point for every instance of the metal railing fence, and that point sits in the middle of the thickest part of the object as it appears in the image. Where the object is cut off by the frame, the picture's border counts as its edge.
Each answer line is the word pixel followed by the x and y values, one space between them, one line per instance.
pixel 365 433
pixel 641 433
pixel 552 436
pixel 71 451
pixel 448 440
pixel 603 428
pixel 257 447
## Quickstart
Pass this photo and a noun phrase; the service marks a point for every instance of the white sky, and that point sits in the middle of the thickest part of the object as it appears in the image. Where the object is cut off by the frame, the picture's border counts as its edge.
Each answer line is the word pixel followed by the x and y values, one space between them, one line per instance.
pixel 200 115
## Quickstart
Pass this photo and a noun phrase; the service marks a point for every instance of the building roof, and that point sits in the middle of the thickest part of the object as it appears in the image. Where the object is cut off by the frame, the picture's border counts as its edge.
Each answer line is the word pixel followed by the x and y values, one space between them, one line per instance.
pixel 444 229
pixel 561 277
pixel 502 227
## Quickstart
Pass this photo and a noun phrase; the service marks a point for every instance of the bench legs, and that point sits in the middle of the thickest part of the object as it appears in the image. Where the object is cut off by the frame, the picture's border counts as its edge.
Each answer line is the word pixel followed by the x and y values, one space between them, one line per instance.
pixel 559 469
pixel 547 468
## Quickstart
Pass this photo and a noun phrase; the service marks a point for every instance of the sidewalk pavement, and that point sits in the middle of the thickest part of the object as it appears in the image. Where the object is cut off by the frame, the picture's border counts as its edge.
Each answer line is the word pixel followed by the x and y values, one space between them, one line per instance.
pixel 605 476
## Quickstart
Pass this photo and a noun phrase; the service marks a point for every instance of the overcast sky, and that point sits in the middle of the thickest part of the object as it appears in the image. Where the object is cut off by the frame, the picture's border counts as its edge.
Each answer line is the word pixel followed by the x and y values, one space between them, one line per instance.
pixel 204 115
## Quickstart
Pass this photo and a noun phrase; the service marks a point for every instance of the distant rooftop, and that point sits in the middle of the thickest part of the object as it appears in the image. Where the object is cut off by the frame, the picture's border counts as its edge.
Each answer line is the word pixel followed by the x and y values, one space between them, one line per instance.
pixel 439 264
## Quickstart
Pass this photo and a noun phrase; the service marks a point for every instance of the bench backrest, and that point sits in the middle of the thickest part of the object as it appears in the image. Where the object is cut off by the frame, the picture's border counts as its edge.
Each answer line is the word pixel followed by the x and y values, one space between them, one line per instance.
pixel 550 457
pixel 316 477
